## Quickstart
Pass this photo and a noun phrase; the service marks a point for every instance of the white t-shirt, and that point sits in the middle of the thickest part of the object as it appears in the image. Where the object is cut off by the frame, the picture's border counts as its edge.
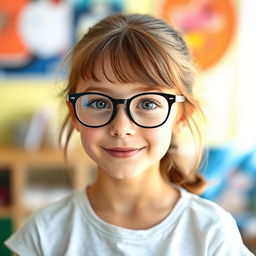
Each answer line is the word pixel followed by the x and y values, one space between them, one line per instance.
pixel 195 227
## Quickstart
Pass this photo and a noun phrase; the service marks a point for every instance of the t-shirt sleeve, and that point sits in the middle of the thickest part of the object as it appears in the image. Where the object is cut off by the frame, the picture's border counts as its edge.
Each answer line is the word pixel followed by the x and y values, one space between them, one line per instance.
pixel 26 241
pixel 228 241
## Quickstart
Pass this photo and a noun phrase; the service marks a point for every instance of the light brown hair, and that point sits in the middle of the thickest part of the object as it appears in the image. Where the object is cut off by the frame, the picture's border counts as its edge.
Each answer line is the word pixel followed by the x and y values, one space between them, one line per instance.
pixel 144 49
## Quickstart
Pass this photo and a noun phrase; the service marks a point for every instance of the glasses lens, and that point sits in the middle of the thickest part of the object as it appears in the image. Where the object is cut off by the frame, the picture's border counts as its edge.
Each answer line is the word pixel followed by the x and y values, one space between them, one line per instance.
pixel 149 110
pixel 94 109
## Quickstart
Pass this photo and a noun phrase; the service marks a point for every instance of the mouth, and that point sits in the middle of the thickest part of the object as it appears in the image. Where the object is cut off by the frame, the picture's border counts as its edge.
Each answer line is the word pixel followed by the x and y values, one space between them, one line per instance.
pixel 122 152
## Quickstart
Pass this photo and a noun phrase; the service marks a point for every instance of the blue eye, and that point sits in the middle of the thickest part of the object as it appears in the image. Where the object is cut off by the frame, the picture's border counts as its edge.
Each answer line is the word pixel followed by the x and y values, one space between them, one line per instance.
pixel 148 105
pixel 96 104
pixel 99 104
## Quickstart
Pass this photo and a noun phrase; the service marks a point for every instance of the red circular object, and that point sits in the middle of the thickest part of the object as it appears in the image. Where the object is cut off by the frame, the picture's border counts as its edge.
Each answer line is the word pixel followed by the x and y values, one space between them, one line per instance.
pixel 208 26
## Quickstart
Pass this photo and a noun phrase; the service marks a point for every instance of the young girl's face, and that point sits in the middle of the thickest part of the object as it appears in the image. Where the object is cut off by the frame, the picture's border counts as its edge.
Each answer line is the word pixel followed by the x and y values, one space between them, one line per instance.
pixel 122 149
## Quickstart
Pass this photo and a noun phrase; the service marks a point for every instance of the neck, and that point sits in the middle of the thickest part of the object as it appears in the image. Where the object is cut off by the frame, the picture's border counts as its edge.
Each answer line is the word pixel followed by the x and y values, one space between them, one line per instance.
pixel 147 191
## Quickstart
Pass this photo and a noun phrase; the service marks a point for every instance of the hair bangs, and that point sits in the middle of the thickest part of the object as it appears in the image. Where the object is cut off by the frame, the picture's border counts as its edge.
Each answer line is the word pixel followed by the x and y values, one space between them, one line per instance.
pixel 129 56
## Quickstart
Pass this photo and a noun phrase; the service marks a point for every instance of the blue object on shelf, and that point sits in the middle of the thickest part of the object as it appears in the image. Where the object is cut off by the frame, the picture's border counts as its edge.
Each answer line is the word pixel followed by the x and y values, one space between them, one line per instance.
pixel 224 160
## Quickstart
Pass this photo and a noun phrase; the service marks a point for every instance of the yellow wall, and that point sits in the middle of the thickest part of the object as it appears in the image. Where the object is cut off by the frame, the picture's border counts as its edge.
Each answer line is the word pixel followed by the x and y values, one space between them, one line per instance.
pixel 20 99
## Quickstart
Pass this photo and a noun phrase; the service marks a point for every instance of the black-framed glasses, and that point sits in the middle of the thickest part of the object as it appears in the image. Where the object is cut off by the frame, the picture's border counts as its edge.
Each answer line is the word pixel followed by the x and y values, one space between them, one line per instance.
pixel 147 110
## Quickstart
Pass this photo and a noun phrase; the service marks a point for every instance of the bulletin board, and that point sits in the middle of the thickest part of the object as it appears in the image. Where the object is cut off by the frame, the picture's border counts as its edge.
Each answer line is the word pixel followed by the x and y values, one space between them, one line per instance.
pixel 35 35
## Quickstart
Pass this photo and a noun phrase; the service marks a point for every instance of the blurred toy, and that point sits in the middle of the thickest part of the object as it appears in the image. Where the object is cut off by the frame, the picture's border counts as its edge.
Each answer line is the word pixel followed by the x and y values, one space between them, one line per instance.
pixel 232 172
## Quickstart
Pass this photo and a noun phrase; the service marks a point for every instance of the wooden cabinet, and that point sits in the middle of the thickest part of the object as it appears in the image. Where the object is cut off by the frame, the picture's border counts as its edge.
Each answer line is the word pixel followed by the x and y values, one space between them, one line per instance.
pixel 19 162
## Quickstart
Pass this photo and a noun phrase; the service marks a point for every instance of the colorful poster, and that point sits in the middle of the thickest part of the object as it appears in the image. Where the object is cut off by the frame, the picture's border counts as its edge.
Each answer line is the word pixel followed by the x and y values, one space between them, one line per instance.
pixel 208 25
pixel 36 35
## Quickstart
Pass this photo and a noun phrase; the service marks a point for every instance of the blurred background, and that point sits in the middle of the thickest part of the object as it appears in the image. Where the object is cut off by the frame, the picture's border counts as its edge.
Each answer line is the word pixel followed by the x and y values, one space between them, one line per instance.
pixel 35 36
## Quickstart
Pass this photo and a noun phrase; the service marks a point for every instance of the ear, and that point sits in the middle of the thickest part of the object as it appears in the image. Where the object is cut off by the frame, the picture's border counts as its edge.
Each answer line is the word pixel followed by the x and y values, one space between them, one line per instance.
pixel 184 114
pixel 75 122
pixel 180 121
pixel 179 125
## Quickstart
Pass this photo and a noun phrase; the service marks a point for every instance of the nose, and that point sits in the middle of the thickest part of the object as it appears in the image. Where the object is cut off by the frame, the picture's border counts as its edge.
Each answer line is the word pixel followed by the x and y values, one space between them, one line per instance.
pixel 121 125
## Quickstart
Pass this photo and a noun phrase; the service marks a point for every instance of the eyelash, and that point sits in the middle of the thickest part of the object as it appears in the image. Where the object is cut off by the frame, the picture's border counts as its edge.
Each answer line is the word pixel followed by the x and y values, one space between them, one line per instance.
pixel 150 101
pixel 95 101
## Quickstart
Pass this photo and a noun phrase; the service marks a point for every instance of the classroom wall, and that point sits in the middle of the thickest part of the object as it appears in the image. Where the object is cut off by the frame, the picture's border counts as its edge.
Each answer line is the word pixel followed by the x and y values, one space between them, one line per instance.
pixel 218 83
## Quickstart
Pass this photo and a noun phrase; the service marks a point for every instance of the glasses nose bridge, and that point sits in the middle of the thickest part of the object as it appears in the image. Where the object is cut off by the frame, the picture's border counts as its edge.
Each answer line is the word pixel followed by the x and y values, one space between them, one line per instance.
pixel 125 102
pixel 121 101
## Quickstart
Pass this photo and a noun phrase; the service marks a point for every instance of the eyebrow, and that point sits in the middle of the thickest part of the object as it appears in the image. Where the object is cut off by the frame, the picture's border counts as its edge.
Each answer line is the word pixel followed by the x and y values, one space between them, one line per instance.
pixel 97 88
pixel 136 89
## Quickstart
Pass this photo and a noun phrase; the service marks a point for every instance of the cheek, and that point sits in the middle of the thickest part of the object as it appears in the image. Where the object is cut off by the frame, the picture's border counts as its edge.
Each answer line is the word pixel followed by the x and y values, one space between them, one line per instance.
pixel 89 137
pixel 160 139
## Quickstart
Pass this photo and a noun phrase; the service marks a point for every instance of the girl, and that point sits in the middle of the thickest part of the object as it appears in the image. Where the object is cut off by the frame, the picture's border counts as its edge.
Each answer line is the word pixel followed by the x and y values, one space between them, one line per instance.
pixel 129 93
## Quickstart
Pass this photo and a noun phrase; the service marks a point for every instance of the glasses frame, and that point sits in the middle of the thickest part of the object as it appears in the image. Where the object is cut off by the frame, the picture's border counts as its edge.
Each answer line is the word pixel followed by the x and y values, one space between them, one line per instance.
pixel 171 98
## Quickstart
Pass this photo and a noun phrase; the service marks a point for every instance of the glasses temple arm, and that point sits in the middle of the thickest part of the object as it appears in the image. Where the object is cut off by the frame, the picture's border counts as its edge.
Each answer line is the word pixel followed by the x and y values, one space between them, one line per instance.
pixel 179 98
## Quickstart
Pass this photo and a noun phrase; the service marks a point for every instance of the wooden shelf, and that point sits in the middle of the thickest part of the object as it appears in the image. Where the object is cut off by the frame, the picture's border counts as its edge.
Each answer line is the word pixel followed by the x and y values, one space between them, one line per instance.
pixel 10 157
pixel 5 211
pixel 19 162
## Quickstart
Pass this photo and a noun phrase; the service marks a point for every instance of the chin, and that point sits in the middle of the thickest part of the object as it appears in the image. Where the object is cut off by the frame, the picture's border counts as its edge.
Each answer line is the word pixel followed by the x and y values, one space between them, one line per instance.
pixel 123 174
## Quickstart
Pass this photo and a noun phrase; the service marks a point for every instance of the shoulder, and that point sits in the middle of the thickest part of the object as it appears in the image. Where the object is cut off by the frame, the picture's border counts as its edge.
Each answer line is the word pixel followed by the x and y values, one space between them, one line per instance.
pixel 46 227
pixel 58 209
pixel 204 216
pixel 60 214
pixel 214 225
pixel 204 209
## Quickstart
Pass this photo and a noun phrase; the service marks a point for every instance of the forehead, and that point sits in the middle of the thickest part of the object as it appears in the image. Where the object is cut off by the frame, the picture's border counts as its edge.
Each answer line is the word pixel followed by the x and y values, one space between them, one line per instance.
pixel 119 90
pixel 108 78
pixel 119 67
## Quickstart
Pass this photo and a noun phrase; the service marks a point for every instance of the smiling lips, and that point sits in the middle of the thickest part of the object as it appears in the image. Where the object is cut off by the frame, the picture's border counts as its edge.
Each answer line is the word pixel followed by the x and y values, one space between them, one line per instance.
pixel 123 152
